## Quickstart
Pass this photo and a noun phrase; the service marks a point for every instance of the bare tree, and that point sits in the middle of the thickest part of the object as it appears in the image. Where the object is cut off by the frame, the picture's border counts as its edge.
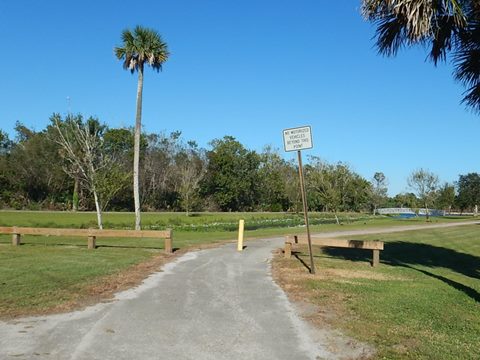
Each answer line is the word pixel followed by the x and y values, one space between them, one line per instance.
pixel 158 170
pixel 81 143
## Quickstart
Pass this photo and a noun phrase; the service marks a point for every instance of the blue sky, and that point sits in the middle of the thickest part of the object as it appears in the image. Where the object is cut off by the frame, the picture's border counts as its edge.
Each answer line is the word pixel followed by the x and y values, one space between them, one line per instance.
pixel 243 68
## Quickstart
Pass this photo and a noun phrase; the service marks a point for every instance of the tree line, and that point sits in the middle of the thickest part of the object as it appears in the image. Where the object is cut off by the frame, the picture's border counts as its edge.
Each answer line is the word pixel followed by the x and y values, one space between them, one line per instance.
pixel 78 163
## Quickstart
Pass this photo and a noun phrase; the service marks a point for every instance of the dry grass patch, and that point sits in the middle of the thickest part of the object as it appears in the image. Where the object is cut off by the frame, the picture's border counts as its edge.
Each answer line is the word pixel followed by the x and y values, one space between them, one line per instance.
pixel 293 277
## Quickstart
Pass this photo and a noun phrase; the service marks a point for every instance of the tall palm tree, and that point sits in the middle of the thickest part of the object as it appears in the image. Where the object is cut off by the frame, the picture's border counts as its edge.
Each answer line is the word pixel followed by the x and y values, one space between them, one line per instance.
pixel 142 46
pixel 444 26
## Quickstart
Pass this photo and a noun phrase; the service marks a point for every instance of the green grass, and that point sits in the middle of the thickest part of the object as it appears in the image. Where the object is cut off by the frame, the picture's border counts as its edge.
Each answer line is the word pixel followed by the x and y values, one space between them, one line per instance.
pixel 422 302
pixel 178 221
pixel 34 278
pixel 201 227
pixel 46 271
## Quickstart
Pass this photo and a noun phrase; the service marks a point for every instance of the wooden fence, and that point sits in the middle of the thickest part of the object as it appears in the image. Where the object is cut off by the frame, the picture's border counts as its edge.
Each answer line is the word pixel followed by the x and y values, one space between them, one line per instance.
pixel 90 234
pixel 376 246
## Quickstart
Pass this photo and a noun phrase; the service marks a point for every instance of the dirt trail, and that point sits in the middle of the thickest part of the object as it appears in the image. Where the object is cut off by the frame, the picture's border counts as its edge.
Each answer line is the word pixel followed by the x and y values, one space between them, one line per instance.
pixel 210 304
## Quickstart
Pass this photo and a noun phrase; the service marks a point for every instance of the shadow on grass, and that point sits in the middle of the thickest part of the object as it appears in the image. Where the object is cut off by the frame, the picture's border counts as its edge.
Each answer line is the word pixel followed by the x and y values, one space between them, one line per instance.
pixel 400 253
pixel 411 255
pixel 297 254
pixel 472 293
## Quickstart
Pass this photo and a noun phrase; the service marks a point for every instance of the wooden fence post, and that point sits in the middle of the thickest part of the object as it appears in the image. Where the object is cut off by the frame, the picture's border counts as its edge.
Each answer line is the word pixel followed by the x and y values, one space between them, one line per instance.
pixel 92 243
pixel 168 242
pixel 288 249
pixel 376 258
pixel 16 239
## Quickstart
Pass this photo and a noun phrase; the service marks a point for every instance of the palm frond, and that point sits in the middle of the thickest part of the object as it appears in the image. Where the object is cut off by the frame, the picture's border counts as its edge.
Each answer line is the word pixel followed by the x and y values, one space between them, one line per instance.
pixel 119 52
pixel 391 35
pixel 445 26
pixel 142 46
pixel 472 98
pixel 401 22
pixel 443 38
pixel 467 64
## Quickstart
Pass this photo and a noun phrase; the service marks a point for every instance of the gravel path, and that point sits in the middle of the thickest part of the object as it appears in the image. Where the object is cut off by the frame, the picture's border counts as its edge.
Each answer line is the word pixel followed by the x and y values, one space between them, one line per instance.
pixel 211 304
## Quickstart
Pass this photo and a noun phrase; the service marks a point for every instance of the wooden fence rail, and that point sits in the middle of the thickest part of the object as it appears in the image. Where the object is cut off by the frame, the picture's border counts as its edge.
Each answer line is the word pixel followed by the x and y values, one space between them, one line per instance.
pixel 90 234
pixel 376 246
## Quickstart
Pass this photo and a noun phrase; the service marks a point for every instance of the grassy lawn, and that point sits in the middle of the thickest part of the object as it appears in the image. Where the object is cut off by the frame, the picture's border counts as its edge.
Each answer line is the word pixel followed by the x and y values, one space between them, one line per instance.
pixel 48 273
pixel 34 279
pixel 202 226
pixel 422 302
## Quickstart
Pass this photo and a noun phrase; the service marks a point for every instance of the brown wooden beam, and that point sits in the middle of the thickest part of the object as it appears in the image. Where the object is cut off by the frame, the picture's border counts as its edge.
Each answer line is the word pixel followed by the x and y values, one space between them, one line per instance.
pixel 86 232
pixel 376 246
pixel 358 244
pixel 91 234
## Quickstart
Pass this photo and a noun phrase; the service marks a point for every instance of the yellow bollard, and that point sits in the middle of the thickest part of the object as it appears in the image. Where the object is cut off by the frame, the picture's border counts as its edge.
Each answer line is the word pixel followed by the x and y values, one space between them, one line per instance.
pixel 241 225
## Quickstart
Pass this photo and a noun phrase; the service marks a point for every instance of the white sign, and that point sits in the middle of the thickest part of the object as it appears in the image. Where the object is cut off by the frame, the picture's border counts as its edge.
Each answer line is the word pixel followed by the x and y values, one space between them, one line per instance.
pixel 297 138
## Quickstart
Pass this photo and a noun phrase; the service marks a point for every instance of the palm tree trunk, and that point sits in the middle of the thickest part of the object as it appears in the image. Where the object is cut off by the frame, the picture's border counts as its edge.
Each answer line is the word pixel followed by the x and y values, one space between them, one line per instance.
pixel 136 149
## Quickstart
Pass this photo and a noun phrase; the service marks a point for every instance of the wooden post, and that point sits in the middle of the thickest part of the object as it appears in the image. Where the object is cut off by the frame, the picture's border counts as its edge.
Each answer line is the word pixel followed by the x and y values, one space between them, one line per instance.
pixel 168 242
pixel 92 242
pixel 241 226
pixel 376 258
pixel 305 210
pixel 288 249
pixel 16 239
pixel 295 237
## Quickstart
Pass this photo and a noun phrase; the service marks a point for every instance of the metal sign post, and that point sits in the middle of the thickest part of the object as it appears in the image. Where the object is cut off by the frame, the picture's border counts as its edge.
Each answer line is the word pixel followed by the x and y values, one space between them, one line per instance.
pixel 298 139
